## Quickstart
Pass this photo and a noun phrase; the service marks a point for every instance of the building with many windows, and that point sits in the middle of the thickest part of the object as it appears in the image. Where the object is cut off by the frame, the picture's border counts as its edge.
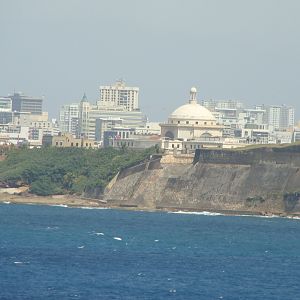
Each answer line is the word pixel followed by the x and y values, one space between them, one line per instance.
pixel 69 118
pixel 95 119
pixel 22 103
pixel 119 95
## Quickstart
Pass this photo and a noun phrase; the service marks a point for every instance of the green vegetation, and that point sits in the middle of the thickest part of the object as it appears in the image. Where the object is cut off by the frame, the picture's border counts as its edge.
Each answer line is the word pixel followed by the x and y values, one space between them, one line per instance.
pixel 254 201
pixel 50 171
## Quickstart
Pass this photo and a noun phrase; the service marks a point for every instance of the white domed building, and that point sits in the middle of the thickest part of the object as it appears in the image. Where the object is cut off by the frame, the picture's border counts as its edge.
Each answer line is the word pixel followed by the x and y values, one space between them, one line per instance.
pixel 191 126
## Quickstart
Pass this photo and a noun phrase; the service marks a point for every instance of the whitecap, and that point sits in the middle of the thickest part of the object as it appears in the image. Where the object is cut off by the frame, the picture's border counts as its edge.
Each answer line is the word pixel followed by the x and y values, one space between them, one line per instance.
pixel 80 247
pixel 156 241
pixel 21 262
pixel 52 228
pixel 117 238
pixel 60 205
pixel 98 233
pixel 6 202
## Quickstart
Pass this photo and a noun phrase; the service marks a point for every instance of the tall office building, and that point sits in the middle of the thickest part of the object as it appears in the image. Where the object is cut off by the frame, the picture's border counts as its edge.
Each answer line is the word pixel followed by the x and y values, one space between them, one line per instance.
pixel 22 103
pixel 280 117
pixel 5 110
pixel 69 118
pixel 287 117
pixel 119 95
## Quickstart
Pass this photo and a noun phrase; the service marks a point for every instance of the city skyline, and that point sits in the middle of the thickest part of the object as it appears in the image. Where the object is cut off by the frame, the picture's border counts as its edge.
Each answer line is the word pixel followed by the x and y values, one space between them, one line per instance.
pixel 242 51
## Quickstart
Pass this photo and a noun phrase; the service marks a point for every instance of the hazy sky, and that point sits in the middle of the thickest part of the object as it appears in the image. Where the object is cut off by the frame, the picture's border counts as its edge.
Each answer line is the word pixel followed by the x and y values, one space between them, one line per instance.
pixel 229 49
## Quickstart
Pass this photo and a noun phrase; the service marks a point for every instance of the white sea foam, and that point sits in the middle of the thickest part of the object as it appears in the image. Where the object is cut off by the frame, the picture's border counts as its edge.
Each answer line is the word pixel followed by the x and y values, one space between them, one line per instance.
pixel 203 213
pixel 60 205
pixel 21 262
pixel 156 241
pixel 80 247
pixel 258 216
pixel 98 233
pixel 293 218
pixel 6 202
pixel 52 228
pixel 117 238
pixel 90 207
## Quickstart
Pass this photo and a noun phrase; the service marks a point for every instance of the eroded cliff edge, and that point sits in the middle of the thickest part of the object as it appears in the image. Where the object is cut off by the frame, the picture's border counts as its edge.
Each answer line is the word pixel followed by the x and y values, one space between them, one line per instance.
pixel 262 180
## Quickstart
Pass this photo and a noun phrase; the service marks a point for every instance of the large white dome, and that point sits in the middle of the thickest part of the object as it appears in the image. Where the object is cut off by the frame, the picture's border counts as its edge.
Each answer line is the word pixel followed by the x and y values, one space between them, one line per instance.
pixel 192 111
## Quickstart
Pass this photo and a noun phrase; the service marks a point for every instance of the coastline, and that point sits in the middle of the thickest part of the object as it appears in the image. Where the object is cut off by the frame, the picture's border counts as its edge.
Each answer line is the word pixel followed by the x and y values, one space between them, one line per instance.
pixel 79 202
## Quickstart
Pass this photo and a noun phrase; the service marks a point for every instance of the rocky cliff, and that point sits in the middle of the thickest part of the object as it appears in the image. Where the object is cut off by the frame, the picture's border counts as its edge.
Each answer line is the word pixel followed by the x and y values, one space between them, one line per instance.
pixel 262 180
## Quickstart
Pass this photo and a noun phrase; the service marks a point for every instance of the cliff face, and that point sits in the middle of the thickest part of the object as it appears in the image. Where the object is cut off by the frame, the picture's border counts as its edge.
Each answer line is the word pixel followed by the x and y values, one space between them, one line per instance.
pixel 259 180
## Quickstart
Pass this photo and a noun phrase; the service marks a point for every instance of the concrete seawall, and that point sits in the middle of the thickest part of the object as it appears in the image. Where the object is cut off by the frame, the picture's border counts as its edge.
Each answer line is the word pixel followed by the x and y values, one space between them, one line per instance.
pixel 257 180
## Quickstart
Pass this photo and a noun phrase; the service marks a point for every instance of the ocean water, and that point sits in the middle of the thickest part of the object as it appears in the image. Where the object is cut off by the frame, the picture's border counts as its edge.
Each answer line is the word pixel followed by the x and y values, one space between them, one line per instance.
pixel 72 253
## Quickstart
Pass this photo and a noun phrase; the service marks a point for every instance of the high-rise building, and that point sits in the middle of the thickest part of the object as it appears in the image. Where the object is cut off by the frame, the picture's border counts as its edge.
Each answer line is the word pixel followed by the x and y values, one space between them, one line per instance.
pixel 119 95
pixel 69 118
pixel 5 110
pixel 5 104
pixel 287 117
pixel 280 117
pixel 22 103
pixel 84 117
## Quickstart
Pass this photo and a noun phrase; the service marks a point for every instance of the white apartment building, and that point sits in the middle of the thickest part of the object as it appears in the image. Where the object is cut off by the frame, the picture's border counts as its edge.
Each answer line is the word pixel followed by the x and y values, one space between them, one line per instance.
pixel 5 104
pixel 280 117
pixel 119 95
pixel 68 118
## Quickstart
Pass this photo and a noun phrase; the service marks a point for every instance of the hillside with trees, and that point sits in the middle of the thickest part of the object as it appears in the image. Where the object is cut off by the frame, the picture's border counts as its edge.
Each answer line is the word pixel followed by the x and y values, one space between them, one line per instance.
pixel 50 171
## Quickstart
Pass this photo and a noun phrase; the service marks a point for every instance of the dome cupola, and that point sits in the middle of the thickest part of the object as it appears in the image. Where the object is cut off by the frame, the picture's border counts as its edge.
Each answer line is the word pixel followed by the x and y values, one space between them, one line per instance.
pixel 192 110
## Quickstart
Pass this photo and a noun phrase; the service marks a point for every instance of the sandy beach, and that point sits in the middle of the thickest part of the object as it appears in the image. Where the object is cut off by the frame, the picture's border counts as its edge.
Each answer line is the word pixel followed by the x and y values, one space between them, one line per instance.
pixel 50 200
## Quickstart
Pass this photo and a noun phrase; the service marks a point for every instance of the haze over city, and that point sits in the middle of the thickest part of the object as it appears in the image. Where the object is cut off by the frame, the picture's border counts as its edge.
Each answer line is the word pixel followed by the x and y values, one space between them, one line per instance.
pixel 242 50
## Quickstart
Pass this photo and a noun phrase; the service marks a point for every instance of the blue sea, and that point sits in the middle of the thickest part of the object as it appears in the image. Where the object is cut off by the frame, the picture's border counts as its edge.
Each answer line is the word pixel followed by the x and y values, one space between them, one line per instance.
pixel 49 252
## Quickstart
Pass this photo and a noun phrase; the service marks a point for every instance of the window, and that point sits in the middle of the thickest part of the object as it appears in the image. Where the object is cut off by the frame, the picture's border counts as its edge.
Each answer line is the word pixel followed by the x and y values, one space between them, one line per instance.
pixel 187 122
pixel 205 123
pixel 178 122
pixel 197 122
pixel 56 143
pixel 72 144
pixel 172 145
pixel 177 146
pixel 60 143
pixel 76 144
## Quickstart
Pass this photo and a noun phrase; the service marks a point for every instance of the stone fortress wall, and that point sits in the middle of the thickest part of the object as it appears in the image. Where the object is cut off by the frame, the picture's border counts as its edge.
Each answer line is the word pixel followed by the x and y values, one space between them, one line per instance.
pixel 259 180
